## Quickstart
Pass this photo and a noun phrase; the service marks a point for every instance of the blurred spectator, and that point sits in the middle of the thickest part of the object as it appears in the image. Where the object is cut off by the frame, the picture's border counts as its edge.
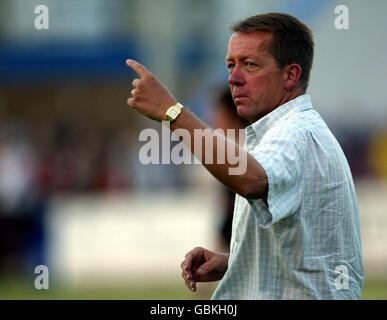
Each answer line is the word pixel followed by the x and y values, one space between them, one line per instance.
pixel 378 154
pixel 226 117
pixel 17 169
pixel 20 204
pixel 355 144
pixel 59 171
pixel 113 164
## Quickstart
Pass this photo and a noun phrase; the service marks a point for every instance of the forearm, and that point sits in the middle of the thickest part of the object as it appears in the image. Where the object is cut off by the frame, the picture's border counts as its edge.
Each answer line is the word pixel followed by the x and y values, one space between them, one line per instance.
pixel 247 178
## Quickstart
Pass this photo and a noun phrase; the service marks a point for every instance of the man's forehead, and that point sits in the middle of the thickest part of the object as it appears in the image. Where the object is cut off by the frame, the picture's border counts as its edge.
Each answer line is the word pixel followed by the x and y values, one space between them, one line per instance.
pixel 249 42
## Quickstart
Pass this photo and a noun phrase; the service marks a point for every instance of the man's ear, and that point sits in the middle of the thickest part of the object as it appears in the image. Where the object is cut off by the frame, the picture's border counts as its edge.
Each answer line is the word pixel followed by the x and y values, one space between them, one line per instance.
pixel 292 74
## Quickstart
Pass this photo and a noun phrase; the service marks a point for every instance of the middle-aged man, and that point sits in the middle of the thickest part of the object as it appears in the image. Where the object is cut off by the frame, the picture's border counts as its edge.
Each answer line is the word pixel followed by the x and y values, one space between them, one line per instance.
pixel 296 231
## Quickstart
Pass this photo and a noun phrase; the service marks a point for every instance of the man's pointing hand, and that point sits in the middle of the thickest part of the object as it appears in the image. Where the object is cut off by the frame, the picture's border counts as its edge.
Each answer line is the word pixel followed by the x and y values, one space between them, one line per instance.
pixel 149 96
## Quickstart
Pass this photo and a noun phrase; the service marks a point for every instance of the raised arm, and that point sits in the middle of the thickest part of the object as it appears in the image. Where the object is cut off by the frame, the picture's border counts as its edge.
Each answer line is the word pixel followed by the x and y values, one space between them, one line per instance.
pixel 152 99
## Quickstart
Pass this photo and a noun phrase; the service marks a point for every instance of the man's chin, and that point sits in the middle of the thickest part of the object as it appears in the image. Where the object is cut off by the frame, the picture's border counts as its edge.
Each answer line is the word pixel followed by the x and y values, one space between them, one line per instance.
pixel 242 112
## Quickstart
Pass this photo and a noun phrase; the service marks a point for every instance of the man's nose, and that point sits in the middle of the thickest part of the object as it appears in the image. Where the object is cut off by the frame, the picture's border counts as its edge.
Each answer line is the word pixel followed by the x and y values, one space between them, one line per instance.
pixel 236 77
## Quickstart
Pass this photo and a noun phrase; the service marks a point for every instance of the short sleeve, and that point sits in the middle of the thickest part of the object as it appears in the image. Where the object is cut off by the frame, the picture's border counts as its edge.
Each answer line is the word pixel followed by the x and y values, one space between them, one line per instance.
pixel 280 154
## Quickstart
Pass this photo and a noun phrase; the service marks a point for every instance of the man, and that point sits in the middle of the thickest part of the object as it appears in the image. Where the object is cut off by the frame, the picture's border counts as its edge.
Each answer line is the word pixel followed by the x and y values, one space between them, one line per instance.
pixel 296 231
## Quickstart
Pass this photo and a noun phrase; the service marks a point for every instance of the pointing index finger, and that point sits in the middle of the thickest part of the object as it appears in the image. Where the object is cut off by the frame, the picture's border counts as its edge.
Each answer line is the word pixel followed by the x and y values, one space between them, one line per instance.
pixel 138 67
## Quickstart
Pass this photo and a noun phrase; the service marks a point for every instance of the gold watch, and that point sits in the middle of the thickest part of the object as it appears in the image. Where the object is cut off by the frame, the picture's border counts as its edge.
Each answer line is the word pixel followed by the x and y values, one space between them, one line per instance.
pixel 173 112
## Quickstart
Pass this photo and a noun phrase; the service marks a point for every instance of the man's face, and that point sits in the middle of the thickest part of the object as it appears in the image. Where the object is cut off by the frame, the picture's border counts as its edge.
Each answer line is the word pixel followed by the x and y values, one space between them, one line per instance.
pixel 256 82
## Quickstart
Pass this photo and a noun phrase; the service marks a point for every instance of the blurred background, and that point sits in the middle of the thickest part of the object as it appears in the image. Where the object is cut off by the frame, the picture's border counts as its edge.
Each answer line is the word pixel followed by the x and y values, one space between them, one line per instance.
pixel 73 193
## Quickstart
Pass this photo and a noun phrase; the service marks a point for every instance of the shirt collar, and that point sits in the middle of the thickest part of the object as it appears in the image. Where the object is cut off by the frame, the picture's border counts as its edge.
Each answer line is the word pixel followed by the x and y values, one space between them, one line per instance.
pixel 260 127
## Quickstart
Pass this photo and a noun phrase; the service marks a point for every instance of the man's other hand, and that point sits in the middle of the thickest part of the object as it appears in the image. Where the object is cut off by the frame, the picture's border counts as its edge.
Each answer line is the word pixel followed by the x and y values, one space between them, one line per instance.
pixel 201 265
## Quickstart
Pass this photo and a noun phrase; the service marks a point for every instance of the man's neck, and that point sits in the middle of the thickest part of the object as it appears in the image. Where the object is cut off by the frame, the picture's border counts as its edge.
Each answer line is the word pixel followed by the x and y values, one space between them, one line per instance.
pixel 288 96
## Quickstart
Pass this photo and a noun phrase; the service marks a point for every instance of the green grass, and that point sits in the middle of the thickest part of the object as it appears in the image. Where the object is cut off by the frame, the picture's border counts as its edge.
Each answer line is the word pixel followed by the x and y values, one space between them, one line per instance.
pixel 375 289
pixel 16 288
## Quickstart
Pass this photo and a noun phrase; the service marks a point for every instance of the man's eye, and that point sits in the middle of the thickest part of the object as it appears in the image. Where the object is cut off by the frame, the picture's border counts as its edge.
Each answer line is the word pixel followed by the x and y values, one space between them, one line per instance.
pixel 230 65
pixel 251 64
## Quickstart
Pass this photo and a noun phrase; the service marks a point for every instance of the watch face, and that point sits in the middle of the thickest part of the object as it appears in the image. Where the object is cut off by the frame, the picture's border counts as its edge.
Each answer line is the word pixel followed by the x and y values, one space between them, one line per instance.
pixel 173 113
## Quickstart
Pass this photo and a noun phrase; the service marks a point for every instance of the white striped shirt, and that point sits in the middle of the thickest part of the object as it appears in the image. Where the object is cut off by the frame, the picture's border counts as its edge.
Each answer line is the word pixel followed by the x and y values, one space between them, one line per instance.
pixel 306 244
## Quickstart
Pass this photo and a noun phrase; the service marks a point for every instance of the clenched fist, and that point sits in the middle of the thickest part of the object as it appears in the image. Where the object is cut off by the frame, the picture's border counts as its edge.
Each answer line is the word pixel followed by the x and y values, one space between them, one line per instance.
pixel 149 96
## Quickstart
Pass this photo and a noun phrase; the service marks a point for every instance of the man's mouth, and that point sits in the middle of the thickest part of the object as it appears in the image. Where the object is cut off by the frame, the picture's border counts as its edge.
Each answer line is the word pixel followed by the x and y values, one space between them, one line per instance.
pixel 240 98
